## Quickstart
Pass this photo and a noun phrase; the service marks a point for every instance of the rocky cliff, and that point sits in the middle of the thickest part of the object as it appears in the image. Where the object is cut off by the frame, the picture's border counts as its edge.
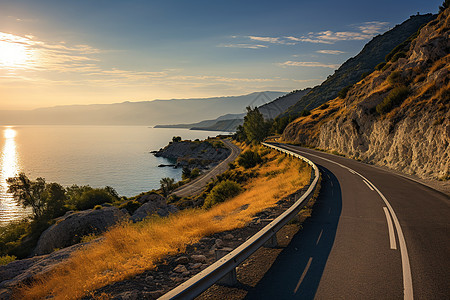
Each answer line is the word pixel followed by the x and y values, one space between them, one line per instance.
pixel 398 116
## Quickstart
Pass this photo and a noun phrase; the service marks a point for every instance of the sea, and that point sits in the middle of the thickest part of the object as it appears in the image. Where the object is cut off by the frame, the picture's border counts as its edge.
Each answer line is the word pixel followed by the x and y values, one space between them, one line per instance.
pixel 99 156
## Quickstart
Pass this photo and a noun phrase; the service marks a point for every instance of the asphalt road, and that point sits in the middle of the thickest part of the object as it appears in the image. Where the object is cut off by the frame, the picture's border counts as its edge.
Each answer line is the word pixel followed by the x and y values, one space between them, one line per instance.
pixel 373 235
pixel 196 186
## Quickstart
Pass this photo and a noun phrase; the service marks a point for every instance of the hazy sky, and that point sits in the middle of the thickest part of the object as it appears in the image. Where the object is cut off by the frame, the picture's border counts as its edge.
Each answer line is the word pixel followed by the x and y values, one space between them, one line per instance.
pixel 104 51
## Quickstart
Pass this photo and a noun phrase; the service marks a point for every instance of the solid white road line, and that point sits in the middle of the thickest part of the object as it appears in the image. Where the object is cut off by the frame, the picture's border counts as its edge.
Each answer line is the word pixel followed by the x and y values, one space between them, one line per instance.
pixel 406 268
pixel 370 187
pixel 390 228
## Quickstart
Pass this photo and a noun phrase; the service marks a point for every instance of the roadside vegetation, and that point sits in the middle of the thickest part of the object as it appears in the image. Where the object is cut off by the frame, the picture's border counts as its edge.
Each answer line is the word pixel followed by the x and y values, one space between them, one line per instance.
pixel 129 249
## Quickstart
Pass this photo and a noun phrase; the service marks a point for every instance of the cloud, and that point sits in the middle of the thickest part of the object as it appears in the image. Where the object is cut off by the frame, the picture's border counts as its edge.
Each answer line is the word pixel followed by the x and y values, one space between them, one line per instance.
pixel 313 64
pixel 244 46
pixel 273 40
pixel 364 31
pixel 333 52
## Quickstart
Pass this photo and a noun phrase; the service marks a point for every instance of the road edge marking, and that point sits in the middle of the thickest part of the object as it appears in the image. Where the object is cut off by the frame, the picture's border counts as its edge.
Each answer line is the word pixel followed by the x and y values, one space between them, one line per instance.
pixel 408 293
pixel 392 242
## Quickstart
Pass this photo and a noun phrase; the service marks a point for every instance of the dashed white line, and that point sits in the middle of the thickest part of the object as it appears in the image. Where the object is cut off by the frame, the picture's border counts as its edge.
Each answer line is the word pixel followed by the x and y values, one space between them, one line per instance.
pixel 318 239
pixel 406 268
pixel 390 228
pixel 303 274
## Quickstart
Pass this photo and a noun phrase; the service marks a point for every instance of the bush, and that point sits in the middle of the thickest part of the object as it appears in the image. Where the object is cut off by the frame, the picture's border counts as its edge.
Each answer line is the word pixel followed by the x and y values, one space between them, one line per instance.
pixel 394 78
pixel 398 55
pixel 343 93
pixel 380 66
pixel 195 173
pixel 222 192
pixel 393 99
pixel 91 198
pixel 131 206
pixel 11 234
pixel 6 259
pixel 364 75
pixel 249 159
pixel 324 106
pixel 305 113
pixel 176 139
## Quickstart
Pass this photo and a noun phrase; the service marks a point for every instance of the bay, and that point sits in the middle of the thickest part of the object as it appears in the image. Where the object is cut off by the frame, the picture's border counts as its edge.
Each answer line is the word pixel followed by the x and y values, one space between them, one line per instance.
pixel 117 156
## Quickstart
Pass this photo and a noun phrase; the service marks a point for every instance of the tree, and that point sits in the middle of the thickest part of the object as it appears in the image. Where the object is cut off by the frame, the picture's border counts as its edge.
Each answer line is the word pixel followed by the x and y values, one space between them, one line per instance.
pixel 255 127
pixel 167 185
pixel 176 139
pixel 54 198
pixel 28 193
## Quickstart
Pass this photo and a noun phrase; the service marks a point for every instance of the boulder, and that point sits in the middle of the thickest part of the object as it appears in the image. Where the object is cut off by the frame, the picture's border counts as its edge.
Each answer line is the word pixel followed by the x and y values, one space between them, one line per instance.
pixel 154 204
pixel 156 198
pixel 69 229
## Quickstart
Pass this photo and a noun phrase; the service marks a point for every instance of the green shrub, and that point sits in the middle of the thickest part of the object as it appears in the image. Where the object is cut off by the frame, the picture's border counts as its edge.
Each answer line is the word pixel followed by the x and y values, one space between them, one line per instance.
pixel 6 259
pixel 393 99
pixel 131 206
pixel 324 106
pixel 93 197
pixel 343 93
pixel 11 234
pixel 195 173
pixel 395 78
pixel 222 192
pixel 385 67
pixel 305 113
pixel 249 159
pixel 380 66
pixel 398 55
pixel 364 75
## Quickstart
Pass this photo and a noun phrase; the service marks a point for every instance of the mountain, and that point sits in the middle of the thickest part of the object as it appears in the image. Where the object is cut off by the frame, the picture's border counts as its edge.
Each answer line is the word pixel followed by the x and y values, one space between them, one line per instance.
pixel 398 116
pixel 230 122
pixel 139 113
pixel 351 71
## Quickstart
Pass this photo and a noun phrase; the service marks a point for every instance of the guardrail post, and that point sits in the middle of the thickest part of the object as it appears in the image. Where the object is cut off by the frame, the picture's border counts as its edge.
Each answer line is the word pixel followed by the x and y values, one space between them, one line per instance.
pixel 230 278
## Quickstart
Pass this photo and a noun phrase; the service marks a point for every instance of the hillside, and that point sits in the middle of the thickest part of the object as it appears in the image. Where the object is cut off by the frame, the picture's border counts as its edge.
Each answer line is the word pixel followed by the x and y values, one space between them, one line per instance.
pixel 351 71
pixel 398 116
pixel 138 113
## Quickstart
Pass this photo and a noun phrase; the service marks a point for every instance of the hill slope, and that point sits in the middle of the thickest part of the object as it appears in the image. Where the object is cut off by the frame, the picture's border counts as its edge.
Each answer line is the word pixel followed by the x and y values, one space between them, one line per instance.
pixel 398 117
pixel 351 71
pixel 138 113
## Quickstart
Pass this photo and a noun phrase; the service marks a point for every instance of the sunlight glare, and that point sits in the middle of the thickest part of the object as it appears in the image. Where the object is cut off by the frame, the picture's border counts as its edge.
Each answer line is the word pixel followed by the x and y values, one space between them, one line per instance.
pixel 9 133
pixel 13 55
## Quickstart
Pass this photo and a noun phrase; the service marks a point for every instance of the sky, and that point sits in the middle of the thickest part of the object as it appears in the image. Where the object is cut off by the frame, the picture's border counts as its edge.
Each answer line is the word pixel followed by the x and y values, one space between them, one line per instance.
pixel 64 52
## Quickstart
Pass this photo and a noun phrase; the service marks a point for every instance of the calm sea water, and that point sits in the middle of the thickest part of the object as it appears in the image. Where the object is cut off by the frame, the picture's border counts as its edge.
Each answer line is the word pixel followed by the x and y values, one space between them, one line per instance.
pixel 117 156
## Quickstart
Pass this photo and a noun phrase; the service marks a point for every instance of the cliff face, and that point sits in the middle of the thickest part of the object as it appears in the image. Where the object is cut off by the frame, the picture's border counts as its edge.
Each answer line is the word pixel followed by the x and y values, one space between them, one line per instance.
pixel 397 117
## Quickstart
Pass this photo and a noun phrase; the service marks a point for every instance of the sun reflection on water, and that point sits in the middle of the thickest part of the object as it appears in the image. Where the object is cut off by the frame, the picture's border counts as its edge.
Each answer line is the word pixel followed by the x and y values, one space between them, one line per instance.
pixel 9 210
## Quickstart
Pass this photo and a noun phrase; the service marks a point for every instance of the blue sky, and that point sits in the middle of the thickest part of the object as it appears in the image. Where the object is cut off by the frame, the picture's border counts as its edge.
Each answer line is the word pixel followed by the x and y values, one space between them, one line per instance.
pixel 103 51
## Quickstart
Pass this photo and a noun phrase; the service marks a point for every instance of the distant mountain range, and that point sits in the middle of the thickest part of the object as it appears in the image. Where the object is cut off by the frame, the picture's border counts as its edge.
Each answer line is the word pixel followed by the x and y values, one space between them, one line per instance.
pixel 139 113
pixel 230 122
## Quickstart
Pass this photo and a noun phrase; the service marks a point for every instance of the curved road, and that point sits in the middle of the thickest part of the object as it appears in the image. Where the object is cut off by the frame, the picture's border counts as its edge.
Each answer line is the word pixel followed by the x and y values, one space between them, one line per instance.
pixel 196 186
pixel 373 235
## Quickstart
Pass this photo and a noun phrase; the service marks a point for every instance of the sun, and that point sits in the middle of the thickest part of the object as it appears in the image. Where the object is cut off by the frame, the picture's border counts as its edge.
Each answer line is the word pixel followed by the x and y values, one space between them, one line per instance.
pixel 13 55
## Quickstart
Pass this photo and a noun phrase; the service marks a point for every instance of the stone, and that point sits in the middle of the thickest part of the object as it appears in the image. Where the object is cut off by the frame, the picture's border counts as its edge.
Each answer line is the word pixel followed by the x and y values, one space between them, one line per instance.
pixel 156 294
pixel 196 266
pixel 185 274
pixel 68 230
pixel 199 258
pixel 180 269
pixel 228 236
pixel 219 243
pixel 156 204
pixel 182 260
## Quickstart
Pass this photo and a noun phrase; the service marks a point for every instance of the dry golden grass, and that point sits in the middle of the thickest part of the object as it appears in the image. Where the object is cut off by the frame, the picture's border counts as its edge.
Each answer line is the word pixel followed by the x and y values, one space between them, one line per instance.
pixel 129 249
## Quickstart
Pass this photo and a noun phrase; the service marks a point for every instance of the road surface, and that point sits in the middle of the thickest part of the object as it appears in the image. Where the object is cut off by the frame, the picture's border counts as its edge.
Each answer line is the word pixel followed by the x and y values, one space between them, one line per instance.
pixel 373 235
pixel 196 186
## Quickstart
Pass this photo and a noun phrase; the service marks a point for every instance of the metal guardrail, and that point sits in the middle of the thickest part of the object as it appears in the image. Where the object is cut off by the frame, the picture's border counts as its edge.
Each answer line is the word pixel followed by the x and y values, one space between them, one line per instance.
pixel 203 280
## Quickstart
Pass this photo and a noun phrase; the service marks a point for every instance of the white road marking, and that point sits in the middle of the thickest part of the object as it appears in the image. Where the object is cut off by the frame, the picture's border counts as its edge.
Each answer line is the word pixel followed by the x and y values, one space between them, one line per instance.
pixel 406 268
pixel 303 274
pixel 390 228
pixel 370 187
pixel 320 235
